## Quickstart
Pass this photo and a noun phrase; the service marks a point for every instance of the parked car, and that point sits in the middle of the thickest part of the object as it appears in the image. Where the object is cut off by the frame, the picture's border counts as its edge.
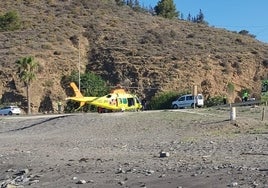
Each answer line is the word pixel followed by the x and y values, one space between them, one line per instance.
pixel 10 110
pixel 188 101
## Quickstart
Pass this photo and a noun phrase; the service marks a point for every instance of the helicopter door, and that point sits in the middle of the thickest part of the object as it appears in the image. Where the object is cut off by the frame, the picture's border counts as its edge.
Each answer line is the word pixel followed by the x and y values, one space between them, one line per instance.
pixel 131 101
pixel 264 87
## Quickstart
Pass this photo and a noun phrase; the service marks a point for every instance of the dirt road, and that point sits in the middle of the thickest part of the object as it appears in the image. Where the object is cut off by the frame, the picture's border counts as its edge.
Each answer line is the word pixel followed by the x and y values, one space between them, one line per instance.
pixel 181 148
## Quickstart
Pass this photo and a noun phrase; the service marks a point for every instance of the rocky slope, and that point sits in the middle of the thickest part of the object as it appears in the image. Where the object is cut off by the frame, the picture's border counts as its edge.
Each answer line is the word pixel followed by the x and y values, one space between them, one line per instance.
pixel 122 45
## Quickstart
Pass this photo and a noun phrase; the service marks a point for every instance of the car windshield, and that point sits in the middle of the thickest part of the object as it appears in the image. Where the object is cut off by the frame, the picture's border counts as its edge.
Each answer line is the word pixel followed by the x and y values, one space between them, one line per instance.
pixel 181 99
pixel 9 107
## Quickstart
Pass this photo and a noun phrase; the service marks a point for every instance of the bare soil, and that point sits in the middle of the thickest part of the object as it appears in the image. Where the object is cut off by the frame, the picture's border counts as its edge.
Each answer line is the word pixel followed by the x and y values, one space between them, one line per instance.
pixel 172 148
pixel 123 46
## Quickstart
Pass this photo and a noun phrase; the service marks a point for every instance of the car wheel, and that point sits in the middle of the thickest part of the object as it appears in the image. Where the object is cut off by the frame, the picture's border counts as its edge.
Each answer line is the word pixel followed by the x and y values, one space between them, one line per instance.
pixel 192 105
pixel 10 113
pixel 175 106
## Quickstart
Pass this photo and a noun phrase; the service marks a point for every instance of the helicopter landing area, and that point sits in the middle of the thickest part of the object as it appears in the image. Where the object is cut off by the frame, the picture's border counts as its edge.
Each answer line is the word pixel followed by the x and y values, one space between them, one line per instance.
pixel 167 148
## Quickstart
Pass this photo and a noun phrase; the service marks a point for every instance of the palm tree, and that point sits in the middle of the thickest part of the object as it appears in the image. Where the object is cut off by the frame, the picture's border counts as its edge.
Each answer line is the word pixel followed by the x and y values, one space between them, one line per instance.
pixel 26 69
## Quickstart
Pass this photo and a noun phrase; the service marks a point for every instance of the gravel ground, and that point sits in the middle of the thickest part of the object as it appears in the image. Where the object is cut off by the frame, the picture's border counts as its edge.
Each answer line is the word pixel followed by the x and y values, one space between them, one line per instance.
pixel 173 148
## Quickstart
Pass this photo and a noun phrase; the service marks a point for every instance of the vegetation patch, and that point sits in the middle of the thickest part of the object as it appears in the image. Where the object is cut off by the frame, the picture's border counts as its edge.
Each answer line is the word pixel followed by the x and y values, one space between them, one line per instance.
pixel 9 21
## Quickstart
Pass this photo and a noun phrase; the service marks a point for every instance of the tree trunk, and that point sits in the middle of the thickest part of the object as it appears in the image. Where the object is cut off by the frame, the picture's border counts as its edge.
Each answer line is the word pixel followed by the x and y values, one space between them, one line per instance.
pixel 28 100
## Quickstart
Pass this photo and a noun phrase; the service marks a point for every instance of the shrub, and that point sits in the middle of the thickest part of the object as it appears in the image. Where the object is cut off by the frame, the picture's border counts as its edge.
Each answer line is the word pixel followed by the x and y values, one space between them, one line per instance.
pixel 265 63
pixel 120 2
pixel 206 67
pixel 10 21
pixel 213 101
pixel 191 35
pixel 238 67
pixel 245 32
pixel 230 87
pixel 162 100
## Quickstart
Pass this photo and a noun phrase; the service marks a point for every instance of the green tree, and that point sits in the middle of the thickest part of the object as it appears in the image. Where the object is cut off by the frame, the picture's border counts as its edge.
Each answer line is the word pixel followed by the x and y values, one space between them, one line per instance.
pixel 166 9
pixel 130 3
pixel 26 68
pixel 136 5
pixel 189 17
pixel 91 85
pixel 200 18
pixel 245 32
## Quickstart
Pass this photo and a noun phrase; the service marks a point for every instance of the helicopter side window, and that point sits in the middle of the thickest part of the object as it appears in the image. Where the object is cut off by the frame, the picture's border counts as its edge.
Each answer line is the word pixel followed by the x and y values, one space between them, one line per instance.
pixel 124 100
pixel 119 100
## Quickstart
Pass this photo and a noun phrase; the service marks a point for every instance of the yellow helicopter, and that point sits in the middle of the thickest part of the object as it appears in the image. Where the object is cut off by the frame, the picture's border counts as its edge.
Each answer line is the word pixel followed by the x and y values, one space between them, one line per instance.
pixel 117 100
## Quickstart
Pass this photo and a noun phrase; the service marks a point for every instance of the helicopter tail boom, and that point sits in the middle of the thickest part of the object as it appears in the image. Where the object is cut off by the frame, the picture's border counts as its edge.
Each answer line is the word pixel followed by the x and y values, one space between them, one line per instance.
pixel 76 90
pixel 78 95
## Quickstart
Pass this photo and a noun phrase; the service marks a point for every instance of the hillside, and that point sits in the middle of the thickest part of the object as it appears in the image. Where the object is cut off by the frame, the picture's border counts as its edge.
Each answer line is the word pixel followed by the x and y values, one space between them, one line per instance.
pixel 122 45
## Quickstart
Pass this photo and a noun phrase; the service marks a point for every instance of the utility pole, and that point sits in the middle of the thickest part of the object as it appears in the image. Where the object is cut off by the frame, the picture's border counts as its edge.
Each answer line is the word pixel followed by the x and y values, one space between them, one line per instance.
pixel 194 93
pixel 79 79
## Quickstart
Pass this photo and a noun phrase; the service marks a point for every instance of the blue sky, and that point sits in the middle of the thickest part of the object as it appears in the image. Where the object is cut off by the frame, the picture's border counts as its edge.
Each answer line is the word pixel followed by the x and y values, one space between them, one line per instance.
pixel 233 15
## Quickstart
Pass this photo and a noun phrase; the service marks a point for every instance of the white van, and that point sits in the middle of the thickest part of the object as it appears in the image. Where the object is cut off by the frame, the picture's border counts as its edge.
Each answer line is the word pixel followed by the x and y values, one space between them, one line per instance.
pixel 188 101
